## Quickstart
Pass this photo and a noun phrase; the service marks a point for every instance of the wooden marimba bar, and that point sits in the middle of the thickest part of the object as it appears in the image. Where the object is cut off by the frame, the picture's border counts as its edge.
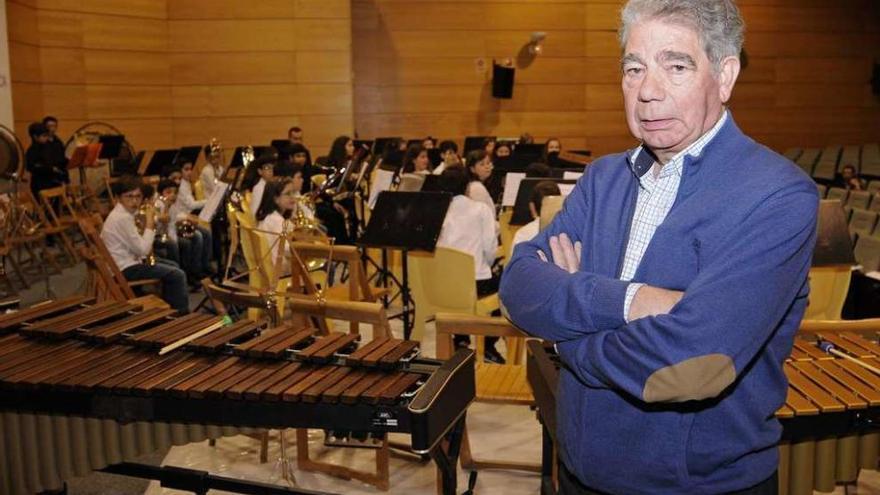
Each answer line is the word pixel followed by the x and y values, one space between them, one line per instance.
pixel 828 413
pixel 83 387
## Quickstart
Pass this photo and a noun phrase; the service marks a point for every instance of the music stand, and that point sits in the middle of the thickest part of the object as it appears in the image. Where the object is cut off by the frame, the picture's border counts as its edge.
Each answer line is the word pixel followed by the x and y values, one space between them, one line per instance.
pixel 85 156
pixel 381 143
pixel 189 154
pixel 111 146
pixel 521 214
pixel 405 221
pixel 475 143
pixel 160 160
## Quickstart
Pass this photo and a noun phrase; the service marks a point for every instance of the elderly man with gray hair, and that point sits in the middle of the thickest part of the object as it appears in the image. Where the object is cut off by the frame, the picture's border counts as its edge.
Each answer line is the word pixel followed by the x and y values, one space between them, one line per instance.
pixel 675 277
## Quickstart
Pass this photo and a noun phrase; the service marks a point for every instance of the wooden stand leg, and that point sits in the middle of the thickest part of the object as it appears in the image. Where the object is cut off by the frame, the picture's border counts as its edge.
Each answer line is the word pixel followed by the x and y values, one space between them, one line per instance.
pixel 379 479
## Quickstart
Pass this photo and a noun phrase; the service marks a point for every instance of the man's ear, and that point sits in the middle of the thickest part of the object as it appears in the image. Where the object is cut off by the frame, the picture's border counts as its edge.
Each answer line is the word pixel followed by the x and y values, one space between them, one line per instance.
pixel 727 76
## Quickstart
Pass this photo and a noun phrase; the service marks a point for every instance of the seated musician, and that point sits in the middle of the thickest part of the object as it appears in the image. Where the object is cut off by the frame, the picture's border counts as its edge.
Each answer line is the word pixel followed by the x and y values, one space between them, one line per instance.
pixel 295 157
pixel 502 150
pixel 552 148
pixel 128 248
pixel 416 160
pixel 211 171
pixel 470 227
pixel 197 245
pixel 428 143
pixel 674 319
pixel 258 174
pixel 46 167
pixel 280 203
pixel 164 245
pixel 528 231
pixel 479 167
pixel 449 156
pixel 338 216
pixel 185 191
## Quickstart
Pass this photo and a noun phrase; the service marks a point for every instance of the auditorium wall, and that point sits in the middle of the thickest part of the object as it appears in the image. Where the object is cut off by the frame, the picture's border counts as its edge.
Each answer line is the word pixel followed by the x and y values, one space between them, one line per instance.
pixel 425 67
pixel 179 72
pixel 175 72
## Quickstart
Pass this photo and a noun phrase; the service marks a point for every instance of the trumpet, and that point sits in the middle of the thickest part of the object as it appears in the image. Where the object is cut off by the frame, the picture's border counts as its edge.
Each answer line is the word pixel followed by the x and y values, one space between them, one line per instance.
pixel 140 221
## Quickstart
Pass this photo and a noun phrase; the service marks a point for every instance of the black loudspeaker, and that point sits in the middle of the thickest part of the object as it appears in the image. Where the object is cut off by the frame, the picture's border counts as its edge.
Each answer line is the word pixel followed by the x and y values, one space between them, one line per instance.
pixel 875 80
pixel 502 81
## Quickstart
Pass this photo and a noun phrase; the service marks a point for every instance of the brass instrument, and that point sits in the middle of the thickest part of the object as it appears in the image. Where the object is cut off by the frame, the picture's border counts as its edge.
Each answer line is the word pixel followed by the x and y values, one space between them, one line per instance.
pixel 186 228
pixel 140 221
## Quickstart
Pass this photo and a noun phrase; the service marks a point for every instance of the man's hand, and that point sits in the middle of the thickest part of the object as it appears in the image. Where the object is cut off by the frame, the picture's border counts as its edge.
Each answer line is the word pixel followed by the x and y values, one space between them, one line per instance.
pixel 653 301
pixel 564 254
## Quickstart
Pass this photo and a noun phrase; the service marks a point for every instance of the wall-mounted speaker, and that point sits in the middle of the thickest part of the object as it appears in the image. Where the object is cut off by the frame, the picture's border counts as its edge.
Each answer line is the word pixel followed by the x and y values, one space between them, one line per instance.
pixel 502 81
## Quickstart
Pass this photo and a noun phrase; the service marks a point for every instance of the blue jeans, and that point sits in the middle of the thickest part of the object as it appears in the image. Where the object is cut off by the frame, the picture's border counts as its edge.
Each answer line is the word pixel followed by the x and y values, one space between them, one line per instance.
pixel 196 253
pixel 172 278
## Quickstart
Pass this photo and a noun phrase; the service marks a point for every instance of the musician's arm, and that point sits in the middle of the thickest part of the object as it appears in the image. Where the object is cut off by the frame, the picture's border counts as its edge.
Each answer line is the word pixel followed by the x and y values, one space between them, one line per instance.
pixel 727 314
pixel 140 245
pixel 548 301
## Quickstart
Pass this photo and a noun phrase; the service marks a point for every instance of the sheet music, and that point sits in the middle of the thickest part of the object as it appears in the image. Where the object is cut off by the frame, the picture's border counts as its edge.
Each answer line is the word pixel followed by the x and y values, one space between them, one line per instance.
pixel 568 175
pixel 213 202
pixel 511 187
pixel 566 189
pixel 382 183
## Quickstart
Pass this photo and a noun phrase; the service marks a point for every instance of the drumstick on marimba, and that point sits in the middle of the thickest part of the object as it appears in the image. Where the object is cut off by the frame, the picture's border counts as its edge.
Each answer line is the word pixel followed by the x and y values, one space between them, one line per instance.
pixel 189 338
pixel 831 349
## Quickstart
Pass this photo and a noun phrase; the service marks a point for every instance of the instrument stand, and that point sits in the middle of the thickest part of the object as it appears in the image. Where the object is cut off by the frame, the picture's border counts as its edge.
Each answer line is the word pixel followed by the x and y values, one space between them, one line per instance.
pixel 199 482
pixel 447 459
pixel 405 221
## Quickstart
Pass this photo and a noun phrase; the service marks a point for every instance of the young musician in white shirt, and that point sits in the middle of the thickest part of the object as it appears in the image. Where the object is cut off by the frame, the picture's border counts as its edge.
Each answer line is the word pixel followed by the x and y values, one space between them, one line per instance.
pixel 210 172
pixel 197 250
pixel 479 164
pixel 128 248
pixel 279 205
pixel 470 227
pixel 528 231
pixel 262 170
pixel 449 155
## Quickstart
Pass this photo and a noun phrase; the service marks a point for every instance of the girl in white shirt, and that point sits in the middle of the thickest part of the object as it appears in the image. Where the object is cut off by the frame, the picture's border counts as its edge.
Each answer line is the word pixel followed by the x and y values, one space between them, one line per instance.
pixel 479 164
pixel 280 201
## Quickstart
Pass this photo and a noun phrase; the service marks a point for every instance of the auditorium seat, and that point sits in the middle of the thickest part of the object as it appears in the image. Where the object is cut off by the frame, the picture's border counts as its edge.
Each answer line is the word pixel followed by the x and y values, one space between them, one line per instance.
pixel 507 232
pixel 871 159
pixel 874 205
pixel 823 190
pixel 826 167
pixel 851 155
pixel 874 186
pixel 807 160
pixel 829 286
pixel 837 193
pixel 867 253
pixel 862 222
pixel 859 199
pixel 793 154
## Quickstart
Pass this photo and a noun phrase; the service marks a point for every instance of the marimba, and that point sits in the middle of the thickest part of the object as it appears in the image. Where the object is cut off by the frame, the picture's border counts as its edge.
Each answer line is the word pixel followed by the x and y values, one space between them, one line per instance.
pixel 83 387
pixel 827 418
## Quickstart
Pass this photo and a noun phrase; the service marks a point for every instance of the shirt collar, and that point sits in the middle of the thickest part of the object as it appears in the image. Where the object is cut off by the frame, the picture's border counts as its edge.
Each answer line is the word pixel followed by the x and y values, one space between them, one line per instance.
pixel 640 162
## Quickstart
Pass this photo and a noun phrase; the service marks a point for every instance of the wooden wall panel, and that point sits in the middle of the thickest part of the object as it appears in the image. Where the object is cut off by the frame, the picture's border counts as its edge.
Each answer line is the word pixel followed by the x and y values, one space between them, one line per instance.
pixel 415 70
pixel 178 72
pixel 245 72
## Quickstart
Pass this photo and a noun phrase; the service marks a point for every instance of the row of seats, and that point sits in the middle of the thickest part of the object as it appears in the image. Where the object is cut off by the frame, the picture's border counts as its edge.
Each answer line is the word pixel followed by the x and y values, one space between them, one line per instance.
pixel 865 200
pixel 824 164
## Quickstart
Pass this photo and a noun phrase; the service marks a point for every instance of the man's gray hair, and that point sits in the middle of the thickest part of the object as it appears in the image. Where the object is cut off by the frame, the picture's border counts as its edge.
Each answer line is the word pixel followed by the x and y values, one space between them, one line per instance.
pixel 717 22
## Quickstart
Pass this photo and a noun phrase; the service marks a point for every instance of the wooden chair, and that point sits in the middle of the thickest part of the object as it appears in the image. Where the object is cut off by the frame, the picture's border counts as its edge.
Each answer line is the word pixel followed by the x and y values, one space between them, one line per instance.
pixel 356 312
pixel 24 232
pixel 106 280
pixel 61 215
pixel 507 232
pixel 496 383
pixel 445 282
pixel 829 286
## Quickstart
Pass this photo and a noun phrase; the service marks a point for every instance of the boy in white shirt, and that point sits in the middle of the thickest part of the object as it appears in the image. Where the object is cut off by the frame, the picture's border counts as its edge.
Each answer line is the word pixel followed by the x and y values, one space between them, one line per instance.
pixel 128 248
pixel 265 167
pixel 196 251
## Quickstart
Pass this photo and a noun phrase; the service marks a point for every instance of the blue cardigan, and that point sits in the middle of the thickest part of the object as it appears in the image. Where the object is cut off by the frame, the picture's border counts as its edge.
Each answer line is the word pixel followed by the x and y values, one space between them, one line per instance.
pixel 683 402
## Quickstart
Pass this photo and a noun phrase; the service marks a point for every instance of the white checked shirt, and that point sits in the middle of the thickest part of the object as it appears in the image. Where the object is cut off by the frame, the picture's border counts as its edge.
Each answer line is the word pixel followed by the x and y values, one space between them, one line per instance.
pixel 655 199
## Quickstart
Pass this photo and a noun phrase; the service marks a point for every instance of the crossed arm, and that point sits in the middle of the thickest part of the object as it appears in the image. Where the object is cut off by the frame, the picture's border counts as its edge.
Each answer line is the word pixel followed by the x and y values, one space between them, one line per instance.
pixel 672 345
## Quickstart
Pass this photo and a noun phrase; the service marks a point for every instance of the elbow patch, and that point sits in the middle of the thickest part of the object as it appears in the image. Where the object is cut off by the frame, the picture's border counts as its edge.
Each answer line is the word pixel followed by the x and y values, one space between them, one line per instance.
pixel 697 378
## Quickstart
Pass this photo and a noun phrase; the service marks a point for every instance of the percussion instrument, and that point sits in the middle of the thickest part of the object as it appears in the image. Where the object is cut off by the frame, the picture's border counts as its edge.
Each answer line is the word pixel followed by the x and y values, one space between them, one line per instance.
pixel 827 419
pixel 83 387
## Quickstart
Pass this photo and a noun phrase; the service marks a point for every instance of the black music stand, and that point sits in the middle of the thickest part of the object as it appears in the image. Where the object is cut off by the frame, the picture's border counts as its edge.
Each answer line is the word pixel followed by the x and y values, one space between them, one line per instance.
pixel 405 221
pixel 521 214
pixel 160 160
